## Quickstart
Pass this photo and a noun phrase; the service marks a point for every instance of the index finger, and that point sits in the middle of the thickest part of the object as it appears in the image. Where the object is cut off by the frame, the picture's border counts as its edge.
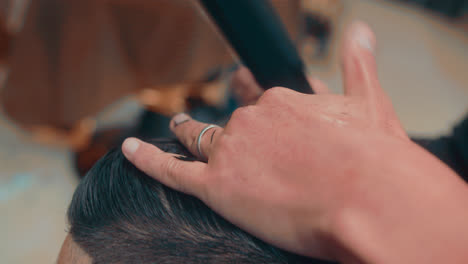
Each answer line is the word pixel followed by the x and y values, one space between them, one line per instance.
pixel 184 176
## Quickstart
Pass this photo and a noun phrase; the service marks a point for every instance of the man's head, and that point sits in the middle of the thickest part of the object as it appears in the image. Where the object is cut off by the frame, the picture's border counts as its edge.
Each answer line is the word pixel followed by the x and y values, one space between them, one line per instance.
pixel 120 215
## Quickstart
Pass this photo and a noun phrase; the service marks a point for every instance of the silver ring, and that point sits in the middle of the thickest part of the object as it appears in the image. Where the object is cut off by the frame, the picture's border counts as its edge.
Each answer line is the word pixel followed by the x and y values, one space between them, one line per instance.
pixel 199 140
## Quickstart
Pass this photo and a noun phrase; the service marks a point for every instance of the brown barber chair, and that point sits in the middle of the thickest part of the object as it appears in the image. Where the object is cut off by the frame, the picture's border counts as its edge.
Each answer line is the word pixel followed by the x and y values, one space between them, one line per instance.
pixel 73 58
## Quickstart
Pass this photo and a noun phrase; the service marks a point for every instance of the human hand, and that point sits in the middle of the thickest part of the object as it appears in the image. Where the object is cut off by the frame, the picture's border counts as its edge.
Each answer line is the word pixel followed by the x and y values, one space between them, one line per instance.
pixel 290 167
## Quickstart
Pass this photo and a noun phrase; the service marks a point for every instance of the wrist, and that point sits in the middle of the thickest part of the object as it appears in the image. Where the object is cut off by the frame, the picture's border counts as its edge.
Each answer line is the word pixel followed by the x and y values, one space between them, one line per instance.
pixel 409 210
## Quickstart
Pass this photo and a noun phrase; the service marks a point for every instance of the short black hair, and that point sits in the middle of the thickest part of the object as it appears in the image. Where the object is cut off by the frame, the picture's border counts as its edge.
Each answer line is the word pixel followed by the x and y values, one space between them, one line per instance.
pixel 118 214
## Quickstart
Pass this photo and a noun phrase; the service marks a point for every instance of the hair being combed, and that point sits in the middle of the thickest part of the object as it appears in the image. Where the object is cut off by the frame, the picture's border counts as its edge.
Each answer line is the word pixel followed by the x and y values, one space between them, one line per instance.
pixel 120 215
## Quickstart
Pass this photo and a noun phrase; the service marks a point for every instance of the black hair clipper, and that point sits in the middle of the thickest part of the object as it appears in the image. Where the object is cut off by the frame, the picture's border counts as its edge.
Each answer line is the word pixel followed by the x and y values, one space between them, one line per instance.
pixel 257 34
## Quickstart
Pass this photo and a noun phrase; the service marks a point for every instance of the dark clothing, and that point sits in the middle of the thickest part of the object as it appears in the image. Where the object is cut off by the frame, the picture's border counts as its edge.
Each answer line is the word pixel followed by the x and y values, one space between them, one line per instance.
pixel 452 149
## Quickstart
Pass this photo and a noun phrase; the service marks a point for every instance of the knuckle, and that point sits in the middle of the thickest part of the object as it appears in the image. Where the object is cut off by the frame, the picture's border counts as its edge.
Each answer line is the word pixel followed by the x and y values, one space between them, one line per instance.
pixel 170 171
pixel 272 95
pixel 169 167
pixel 241 116
pixel 242 113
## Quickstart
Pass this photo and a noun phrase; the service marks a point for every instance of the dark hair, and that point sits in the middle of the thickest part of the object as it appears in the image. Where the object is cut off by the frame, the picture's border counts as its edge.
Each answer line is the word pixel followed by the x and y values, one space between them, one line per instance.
pixel 118 214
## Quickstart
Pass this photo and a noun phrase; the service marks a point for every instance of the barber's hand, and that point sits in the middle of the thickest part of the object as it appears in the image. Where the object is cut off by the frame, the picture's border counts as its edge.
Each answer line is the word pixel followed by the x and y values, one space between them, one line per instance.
pixel 288 167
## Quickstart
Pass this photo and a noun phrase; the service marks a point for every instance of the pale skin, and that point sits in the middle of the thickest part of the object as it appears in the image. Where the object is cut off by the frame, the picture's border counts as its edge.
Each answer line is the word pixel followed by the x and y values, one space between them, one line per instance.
pixel 324 175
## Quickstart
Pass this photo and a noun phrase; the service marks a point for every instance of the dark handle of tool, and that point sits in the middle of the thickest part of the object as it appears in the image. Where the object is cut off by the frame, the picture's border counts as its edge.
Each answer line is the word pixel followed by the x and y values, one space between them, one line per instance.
pixel 257 34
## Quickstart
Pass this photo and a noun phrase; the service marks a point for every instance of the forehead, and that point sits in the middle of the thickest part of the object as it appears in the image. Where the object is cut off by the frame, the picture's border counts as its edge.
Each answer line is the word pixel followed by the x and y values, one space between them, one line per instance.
pixel 71 253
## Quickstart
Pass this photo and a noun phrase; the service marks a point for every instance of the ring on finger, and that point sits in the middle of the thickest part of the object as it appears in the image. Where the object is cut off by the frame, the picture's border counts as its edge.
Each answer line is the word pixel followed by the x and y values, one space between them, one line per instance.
pixel 204 130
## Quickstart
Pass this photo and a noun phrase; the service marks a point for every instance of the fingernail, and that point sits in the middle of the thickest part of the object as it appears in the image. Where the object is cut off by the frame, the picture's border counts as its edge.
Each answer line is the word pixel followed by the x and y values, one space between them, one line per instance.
pixel 363 36
pixel 179 119
pixel 130 146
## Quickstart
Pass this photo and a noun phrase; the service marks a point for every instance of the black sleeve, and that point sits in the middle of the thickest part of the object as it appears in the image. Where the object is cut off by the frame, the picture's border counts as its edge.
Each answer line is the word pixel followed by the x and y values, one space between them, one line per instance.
pixel 452 149
pixel 450 8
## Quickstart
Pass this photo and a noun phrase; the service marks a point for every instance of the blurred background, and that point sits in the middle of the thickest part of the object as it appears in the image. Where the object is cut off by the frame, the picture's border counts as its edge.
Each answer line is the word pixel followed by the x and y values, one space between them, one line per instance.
pixel 76 77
